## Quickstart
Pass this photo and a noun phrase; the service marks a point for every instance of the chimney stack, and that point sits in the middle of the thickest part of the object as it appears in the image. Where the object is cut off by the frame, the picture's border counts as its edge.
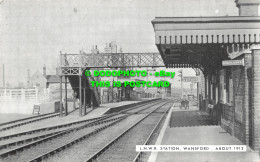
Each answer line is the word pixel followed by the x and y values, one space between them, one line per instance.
pixel 248 7
pixel 44 70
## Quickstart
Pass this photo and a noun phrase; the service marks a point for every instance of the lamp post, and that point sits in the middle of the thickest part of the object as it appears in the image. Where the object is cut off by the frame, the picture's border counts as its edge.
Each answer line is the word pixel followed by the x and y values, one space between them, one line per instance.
pixel 80 86
pixel 198 86
pixel 181 75
pixel 59 72
pixel 148 75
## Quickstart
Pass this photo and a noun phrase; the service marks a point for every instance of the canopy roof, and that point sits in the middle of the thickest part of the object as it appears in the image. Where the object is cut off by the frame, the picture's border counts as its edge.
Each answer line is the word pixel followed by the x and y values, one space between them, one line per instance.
pixel 201 42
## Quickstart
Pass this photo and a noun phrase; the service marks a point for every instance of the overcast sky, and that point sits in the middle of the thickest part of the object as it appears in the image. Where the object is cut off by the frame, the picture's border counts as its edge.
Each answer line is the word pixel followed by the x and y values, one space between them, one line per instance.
pixel 32 32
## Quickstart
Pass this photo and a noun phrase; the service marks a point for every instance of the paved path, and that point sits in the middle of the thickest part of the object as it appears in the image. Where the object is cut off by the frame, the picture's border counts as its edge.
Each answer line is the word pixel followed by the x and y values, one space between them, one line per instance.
pixel 191 127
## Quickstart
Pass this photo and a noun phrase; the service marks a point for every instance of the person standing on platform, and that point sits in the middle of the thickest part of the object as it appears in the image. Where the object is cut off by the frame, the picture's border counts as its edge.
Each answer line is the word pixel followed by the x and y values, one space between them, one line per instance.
pixel 74 99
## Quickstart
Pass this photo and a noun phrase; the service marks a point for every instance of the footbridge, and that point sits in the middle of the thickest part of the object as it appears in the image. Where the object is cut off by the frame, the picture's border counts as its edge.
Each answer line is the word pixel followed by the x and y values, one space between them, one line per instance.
pixel 73 66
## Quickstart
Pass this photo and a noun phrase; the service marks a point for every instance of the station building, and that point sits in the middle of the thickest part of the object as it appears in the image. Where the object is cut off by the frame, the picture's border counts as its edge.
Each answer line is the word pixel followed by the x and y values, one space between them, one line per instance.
pixel 226 50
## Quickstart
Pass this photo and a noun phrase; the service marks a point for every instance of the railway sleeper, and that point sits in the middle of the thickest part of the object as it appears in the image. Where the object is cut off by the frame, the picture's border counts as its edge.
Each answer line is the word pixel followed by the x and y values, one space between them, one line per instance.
pixel 81 138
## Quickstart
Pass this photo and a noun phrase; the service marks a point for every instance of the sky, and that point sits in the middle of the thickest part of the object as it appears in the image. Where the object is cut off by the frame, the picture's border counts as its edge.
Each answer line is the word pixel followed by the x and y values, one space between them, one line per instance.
pixel 33 32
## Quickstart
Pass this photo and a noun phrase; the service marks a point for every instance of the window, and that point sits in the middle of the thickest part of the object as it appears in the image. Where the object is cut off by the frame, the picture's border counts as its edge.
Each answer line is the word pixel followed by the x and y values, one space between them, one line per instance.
pixel 229 85
pixel 222 84
pixel 226 86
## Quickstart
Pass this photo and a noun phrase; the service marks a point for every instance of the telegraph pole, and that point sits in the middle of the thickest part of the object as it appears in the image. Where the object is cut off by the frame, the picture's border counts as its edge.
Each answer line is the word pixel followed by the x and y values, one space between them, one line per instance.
pixel 3 75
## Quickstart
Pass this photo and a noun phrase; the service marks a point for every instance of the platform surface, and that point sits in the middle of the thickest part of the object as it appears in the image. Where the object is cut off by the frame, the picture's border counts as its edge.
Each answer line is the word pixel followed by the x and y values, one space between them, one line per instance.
pixel 73 116
pixel 4 117
pixel 186 128
pixel 107 106
pixel 11 115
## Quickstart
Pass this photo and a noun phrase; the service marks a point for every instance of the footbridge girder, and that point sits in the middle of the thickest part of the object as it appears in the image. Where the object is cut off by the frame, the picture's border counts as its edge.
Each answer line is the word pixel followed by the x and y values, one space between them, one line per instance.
pixel 75 64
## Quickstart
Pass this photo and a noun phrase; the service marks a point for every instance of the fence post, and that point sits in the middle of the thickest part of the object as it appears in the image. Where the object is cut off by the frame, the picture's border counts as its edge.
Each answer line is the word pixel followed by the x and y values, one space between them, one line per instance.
pixel 66 97
pixel 80 82
pixel 37 94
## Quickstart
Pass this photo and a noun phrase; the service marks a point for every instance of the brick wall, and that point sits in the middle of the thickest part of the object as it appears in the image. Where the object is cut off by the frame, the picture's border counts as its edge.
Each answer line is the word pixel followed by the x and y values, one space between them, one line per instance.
pixel 227 112
pixel 256 98
pixel 248 10
pixel 235 117
pixel 238 77
pixel 226 117
pixel 247 7
pixel 248 98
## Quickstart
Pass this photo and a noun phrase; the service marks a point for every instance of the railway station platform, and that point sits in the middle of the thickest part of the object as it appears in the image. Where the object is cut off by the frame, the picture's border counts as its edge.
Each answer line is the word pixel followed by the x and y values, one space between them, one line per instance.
pixel 107 108
pixel 191 127
pixel 73 115
pixel 95 112
pixel 4 117
pixel 25 112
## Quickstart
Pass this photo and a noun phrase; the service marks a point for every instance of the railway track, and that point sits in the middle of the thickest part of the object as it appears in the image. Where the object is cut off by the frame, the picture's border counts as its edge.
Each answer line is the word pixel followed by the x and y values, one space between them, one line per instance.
pixel 88 148
pixel 30 136
pixel 18 123
pixel 143 156
pixel 55 139
pixel 126 141
pixel 56 134
pixel 34 131
pixel 23 119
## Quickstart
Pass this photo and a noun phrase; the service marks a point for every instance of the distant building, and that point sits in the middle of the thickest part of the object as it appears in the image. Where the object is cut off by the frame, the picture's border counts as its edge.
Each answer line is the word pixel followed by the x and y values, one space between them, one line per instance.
pixel 110 94
pixel 53 86
pixel 165 91
pixel 94 50
pixel 48 84
pixel 111 47
pixel 53 80
pixel 37 80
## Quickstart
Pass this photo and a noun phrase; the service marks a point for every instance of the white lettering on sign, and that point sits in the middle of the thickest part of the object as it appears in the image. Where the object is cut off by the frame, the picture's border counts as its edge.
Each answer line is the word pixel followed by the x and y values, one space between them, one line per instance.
pixel 233 62
pixel 190 79
pixel 190 148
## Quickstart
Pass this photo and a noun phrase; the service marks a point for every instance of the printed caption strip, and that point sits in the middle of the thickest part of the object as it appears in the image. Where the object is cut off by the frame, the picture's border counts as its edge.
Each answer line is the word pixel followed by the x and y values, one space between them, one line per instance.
pixel 191 148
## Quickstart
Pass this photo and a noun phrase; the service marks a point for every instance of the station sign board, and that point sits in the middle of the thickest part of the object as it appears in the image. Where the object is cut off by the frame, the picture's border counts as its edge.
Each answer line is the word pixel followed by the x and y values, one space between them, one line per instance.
pixel 36 109
pixel 233 62
pixel 193 79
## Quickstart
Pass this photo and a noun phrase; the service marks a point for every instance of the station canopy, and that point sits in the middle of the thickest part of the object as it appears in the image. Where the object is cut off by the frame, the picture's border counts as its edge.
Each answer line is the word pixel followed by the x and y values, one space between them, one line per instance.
pixel 203 42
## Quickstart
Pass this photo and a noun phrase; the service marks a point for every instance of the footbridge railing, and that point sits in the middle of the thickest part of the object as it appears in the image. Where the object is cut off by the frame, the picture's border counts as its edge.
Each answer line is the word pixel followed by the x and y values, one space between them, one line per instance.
pixel 73 64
